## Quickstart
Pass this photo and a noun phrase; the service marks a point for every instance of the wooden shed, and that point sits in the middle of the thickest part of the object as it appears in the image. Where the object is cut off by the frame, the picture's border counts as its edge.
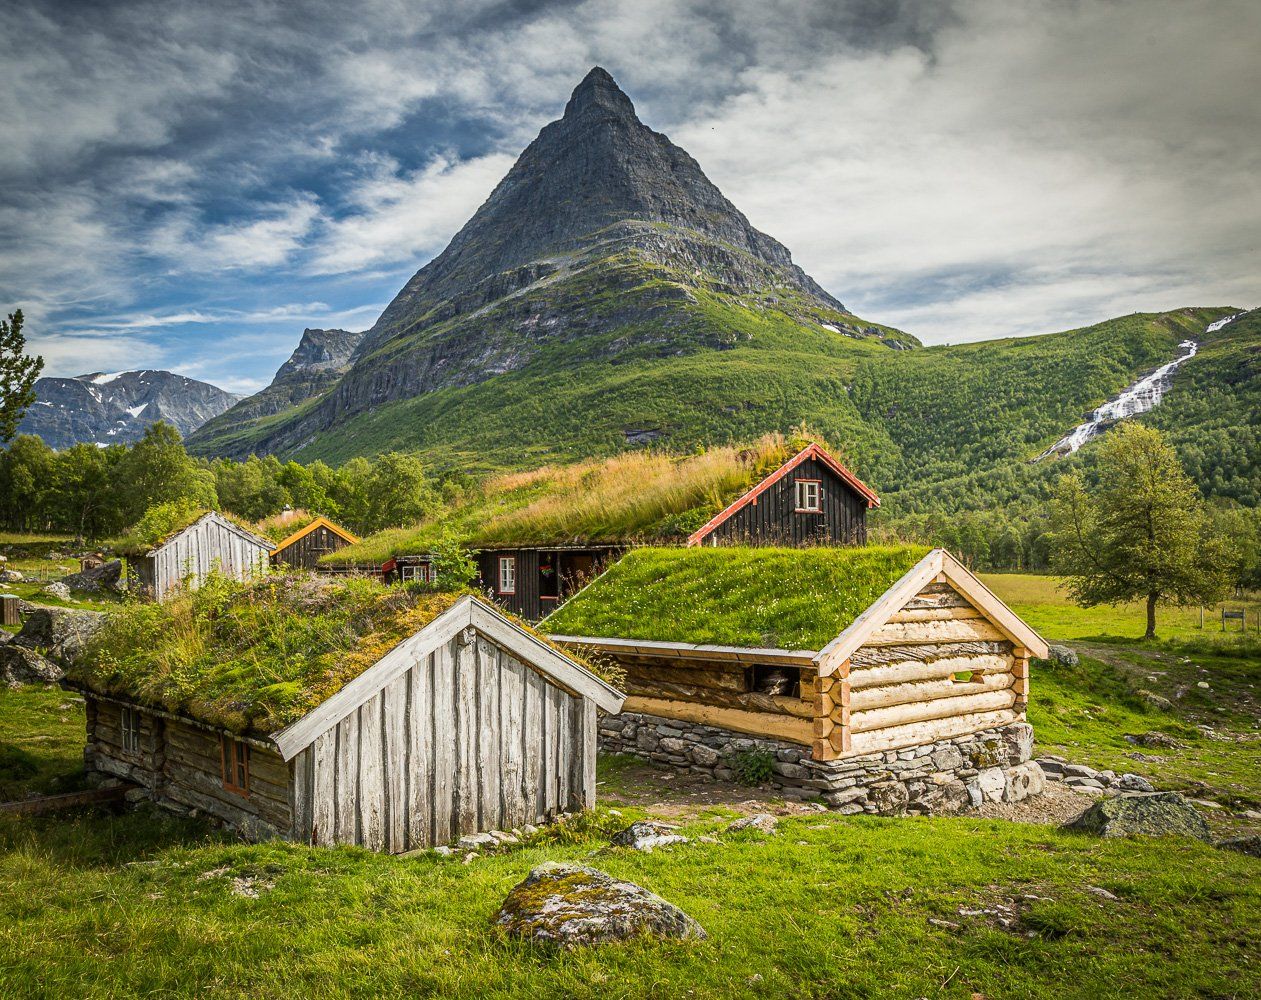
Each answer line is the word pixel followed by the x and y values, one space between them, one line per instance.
pixel 468 725
pixel 211 544
pixel 303 548
pixel 846 651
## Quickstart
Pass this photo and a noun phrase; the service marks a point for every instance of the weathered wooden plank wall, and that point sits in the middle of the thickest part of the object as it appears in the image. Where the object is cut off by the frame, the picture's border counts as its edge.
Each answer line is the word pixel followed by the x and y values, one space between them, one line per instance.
pixel 773 518
pixel 306 551
pixel 467 739
pixel 209 545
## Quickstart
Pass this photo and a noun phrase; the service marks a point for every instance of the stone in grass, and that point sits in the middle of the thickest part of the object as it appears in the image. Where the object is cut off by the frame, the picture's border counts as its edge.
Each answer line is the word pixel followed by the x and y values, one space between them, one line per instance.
pixel 572 906
pixel 1161 814
pixel 644 835
pixel 1244 845
pixel 762 822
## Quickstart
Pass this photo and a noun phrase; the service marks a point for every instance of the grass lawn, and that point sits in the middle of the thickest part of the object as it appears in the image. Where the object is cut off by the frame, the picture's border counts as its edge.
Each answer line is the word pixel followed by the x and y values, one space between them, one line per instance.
pixel 95 904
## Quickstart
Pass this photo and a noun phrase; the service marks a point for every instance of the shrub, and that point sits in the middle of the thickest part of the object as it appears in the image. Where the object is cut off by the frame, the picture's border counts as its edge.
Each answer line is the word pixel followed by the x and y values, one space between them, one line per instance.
pixel 753 767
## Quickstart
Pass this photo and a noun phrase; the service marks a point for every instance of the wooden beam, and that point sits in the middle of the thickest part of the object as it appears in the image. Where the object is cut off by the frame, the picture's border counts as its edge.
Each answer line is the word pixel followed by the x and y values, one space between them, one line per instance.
pixel 784 727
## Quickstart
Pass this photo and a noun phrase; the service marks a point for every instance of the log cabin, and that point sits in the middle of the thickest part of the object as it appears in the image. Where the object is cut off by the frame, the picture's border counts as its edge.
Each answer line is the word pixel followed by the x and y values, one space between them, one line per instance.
pixel 469 723
pixel 304 548
pixel 210 544
pixel 847 652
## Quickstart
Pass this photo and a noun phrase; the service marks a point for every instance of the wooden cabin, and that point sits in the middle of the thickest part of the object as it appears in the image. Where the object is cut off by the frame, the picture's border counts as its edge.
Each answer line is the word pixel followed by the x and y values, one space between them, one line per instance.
pixel 812 499
pixel 211 544
pixel 533 581
pixel 303 549
pixel 888 649
pixel 469 725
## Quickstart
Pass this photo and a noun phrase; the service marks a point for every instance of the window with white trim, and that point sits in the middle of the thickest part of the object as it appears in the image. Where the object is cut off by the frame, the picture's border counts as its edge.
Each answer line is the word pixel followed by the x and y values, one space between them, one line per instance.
pixel 422 572
pixel 507 574
pixel 809 496
pixel 130 728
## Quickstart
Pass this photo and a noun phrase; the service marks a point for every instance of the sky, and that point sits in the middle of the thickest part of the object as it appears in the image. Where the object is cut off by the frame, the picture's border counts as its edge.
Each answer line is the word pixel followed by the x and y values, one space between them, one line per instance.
pixel 189 185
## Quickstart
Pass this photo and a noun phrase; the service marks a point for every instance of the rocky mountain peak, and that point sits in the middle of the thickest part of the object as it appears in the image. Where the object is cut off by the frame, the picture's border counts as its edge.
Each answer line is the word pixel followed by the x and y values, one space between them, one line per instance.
pixel 598 90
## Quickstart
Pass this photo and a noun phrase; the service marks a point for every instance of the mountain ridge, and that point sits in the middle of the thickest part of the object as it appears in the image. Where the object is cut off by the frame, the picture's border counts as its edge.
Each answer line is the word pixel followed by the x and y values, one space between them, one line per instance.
pixel 604 237
pixel 117 407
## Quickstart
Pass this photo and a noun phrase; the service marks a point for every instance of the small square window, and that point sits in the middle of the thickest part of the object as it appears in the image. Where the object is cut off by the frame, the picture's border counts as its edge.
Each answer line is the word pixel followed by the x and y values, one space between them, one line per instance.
pixel 809 496
pixel 130 727
pixel 236 765
pixel 507 574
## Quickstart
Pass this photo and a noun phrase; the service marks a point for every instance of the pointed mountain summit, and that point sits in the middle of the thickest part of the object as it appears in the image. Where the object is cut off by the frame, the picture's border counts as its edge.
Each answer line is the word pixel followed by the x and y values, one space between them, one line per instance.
pixel 604 243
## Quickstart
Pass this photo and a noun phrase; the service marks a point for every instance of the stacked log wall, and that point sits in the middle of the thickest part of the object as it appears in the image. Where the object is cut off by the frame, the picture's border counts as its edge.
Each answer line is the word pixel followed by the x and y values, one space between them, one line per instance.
pixel 938 668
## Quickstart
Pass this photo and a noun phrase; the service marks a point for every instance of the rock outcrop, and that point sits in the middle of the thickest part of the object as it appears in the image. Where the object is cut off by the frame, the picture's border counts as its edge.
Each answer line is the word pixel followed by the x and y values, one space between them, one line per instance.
pixel 96 578
pixel 60 634
pixel 1159 814
pixel 572 905
pixel 20 665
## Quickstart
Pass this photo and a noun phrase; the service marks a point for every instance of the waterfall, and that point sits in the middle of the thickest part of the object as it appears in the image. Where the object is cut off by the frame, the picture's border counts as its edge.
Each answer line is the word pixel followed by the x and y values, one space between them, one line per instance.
pixel 1140 397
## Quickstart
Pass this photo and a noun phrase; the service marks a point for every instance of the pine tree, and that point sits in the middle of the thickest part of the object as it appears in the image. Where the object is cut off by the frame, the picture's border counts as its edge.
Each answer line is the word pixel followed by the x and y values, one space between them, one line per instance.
pixel 18 373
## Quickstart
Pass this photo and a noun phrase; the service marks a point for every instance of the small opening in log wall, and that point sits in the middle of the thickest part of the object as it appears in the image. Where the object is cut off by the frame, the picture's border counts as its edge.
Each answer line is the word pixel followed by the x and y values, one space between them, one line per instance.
pixel 773 680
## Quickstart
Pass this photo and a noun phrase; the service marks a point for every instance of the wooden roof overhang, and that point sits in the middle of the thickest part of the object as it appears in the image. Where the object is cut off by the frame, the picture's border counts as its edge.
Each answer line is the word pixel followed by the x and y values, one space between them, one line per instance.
pixel 690 651
pixel 319 522
pixel 938 566
pixel 467 612
pixel 811 451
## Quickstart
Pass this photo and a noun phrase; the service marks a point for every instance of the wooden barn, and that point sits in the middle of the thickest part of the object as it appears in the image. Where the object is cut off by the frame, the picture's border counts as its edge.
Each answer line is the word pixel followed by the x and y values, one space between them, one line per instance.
pixel 846 651
pixel 211 544
pixel 303 548
pixel 812 499
pixel 533 580
pixel 468 724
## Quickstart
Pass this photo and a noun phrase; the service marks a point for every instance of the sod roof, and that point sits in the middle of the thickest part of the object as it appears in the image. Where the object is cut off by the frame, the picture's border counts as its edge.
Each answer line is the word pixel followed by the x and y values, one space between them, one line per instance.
pixel 798 599
pixel 252 657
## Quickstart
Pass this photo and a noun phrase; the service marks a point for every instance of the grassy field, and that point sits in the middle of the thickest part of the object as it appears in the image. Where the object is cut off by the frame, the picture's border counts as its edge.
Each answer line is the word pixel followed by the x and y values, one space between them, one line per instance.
pixel 102 905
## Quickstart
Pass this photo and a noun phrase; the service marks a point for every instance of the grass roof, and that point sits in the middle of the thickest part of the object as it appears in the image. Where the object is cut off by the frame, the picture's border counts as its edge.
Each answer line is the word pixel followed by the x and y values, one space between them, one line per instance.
pixel 634 497
pixel 734 596
pixel 163 521
pixel 253 656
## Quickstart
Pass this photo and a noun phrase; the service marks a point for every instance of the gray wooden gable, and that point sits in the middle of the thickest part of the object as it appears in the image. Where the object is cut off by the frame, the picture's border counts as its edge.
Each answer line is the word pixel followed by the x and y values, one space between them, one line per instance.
pixel 469 725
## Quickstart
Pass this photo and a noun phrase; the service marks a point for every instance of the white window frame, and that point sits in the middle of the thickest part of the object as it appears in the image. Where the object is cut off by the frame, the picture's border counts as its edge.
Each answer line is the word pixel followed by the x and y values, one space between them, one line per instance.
pixel 129 727
pixel 422 571
pixel 507 575
pixel 804 506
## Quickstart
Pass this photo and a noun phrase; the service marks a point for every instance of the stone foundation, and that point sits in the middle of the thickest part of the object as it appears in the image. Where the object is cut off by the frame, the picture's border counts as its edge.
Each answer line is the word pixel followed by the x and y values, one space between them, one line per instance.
pixel 939 778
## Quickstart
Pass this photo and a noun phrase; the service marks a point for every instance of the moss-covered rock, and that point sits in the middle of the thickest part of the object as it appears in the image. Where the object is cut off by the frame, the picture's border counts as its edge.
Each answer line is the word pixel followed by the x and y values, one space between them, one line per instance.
pixel 573 906
pixel 1163 814
pixel 1250 845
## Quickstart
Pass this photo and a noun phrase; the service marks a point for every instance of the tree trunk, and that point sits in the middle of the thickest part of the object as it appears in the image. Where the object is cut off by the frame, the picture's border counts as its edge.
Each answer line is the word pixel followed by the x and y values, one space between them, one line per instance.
pixel 1151 617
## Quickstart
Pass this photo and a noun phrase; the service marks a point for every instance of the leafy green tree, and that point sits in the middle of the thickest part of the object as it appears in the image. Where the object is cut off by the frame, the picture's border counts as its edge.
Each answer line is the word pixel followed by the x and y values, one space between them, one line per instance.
pixel 26 482
pixel 158 470
pixel 399 491
pixel 83 500
pixel 18 373
pixel 1140 531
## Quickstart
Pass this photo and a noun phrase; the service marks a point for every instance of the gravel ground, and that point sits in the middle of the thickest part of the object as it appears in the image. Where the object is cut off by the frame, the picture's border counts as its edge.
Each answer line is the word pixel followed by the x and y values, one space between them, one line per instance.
pixel 1058 804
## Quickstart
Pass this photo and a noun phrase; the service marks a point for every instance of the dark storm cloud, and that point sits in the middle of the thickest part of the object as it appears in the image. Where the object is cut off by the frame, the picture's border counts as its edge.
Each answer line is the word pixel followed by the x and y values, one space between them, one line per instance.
pixel 177 177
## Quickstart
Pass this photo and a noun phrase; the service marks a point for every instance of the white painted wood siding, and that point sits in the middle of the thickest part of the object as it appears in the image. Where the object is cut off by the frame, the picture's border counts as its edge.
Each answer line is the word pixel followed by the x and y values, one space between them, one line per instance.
pixel 467 739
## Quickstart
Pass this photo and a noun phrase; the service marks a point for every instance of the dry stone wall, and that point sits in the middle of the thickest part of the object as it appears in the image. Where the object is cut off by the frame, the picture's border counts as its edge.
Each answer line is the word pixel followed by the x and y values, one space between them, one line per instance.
pixel 941 777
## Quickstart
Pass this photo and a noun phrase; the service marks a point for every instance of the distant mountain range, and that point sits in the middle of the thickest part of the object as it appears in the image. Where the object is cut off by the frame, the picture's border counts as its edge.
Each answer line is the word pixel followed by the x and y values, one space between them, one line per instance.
pixel 116 408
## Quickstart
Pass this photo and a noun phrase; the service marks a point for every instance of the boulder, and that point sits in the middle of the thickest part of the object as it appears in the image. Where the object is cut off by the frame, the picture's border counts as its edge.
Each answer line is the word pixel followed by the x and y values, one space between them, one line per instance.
pixel 1159 814
pixel 1062 655
pixel 1153 739
pixel 1155 700
pixel 942 795
pixel 59 633
pixel 1022 781
pixel 1244 845
pixel 58 590
pixel 762 822
pixel 94 578
pixel 19 665
pixel 10 576
pixel 573 906
pixel 1017 741
pixel 991 783
pixel 1134 783
pixel 645 835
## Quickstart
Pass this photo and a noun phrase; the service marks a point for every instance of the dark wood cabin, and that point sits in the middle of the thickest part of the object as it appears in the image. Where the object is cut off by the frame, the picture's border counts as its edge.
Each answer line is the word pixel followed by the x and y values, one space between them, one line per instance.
pixel 533 581
pixel 302 549
pixel 211 544
pixel 812 499
pixel 471 724
pixel 411 568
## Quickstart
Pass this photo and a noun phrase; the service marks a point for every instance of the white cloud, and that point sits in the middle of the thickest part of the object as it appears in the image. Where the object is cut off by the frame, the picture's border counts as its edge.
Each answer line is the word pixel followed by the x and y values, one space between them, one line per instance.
pixel 268 238
pixel 405 216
